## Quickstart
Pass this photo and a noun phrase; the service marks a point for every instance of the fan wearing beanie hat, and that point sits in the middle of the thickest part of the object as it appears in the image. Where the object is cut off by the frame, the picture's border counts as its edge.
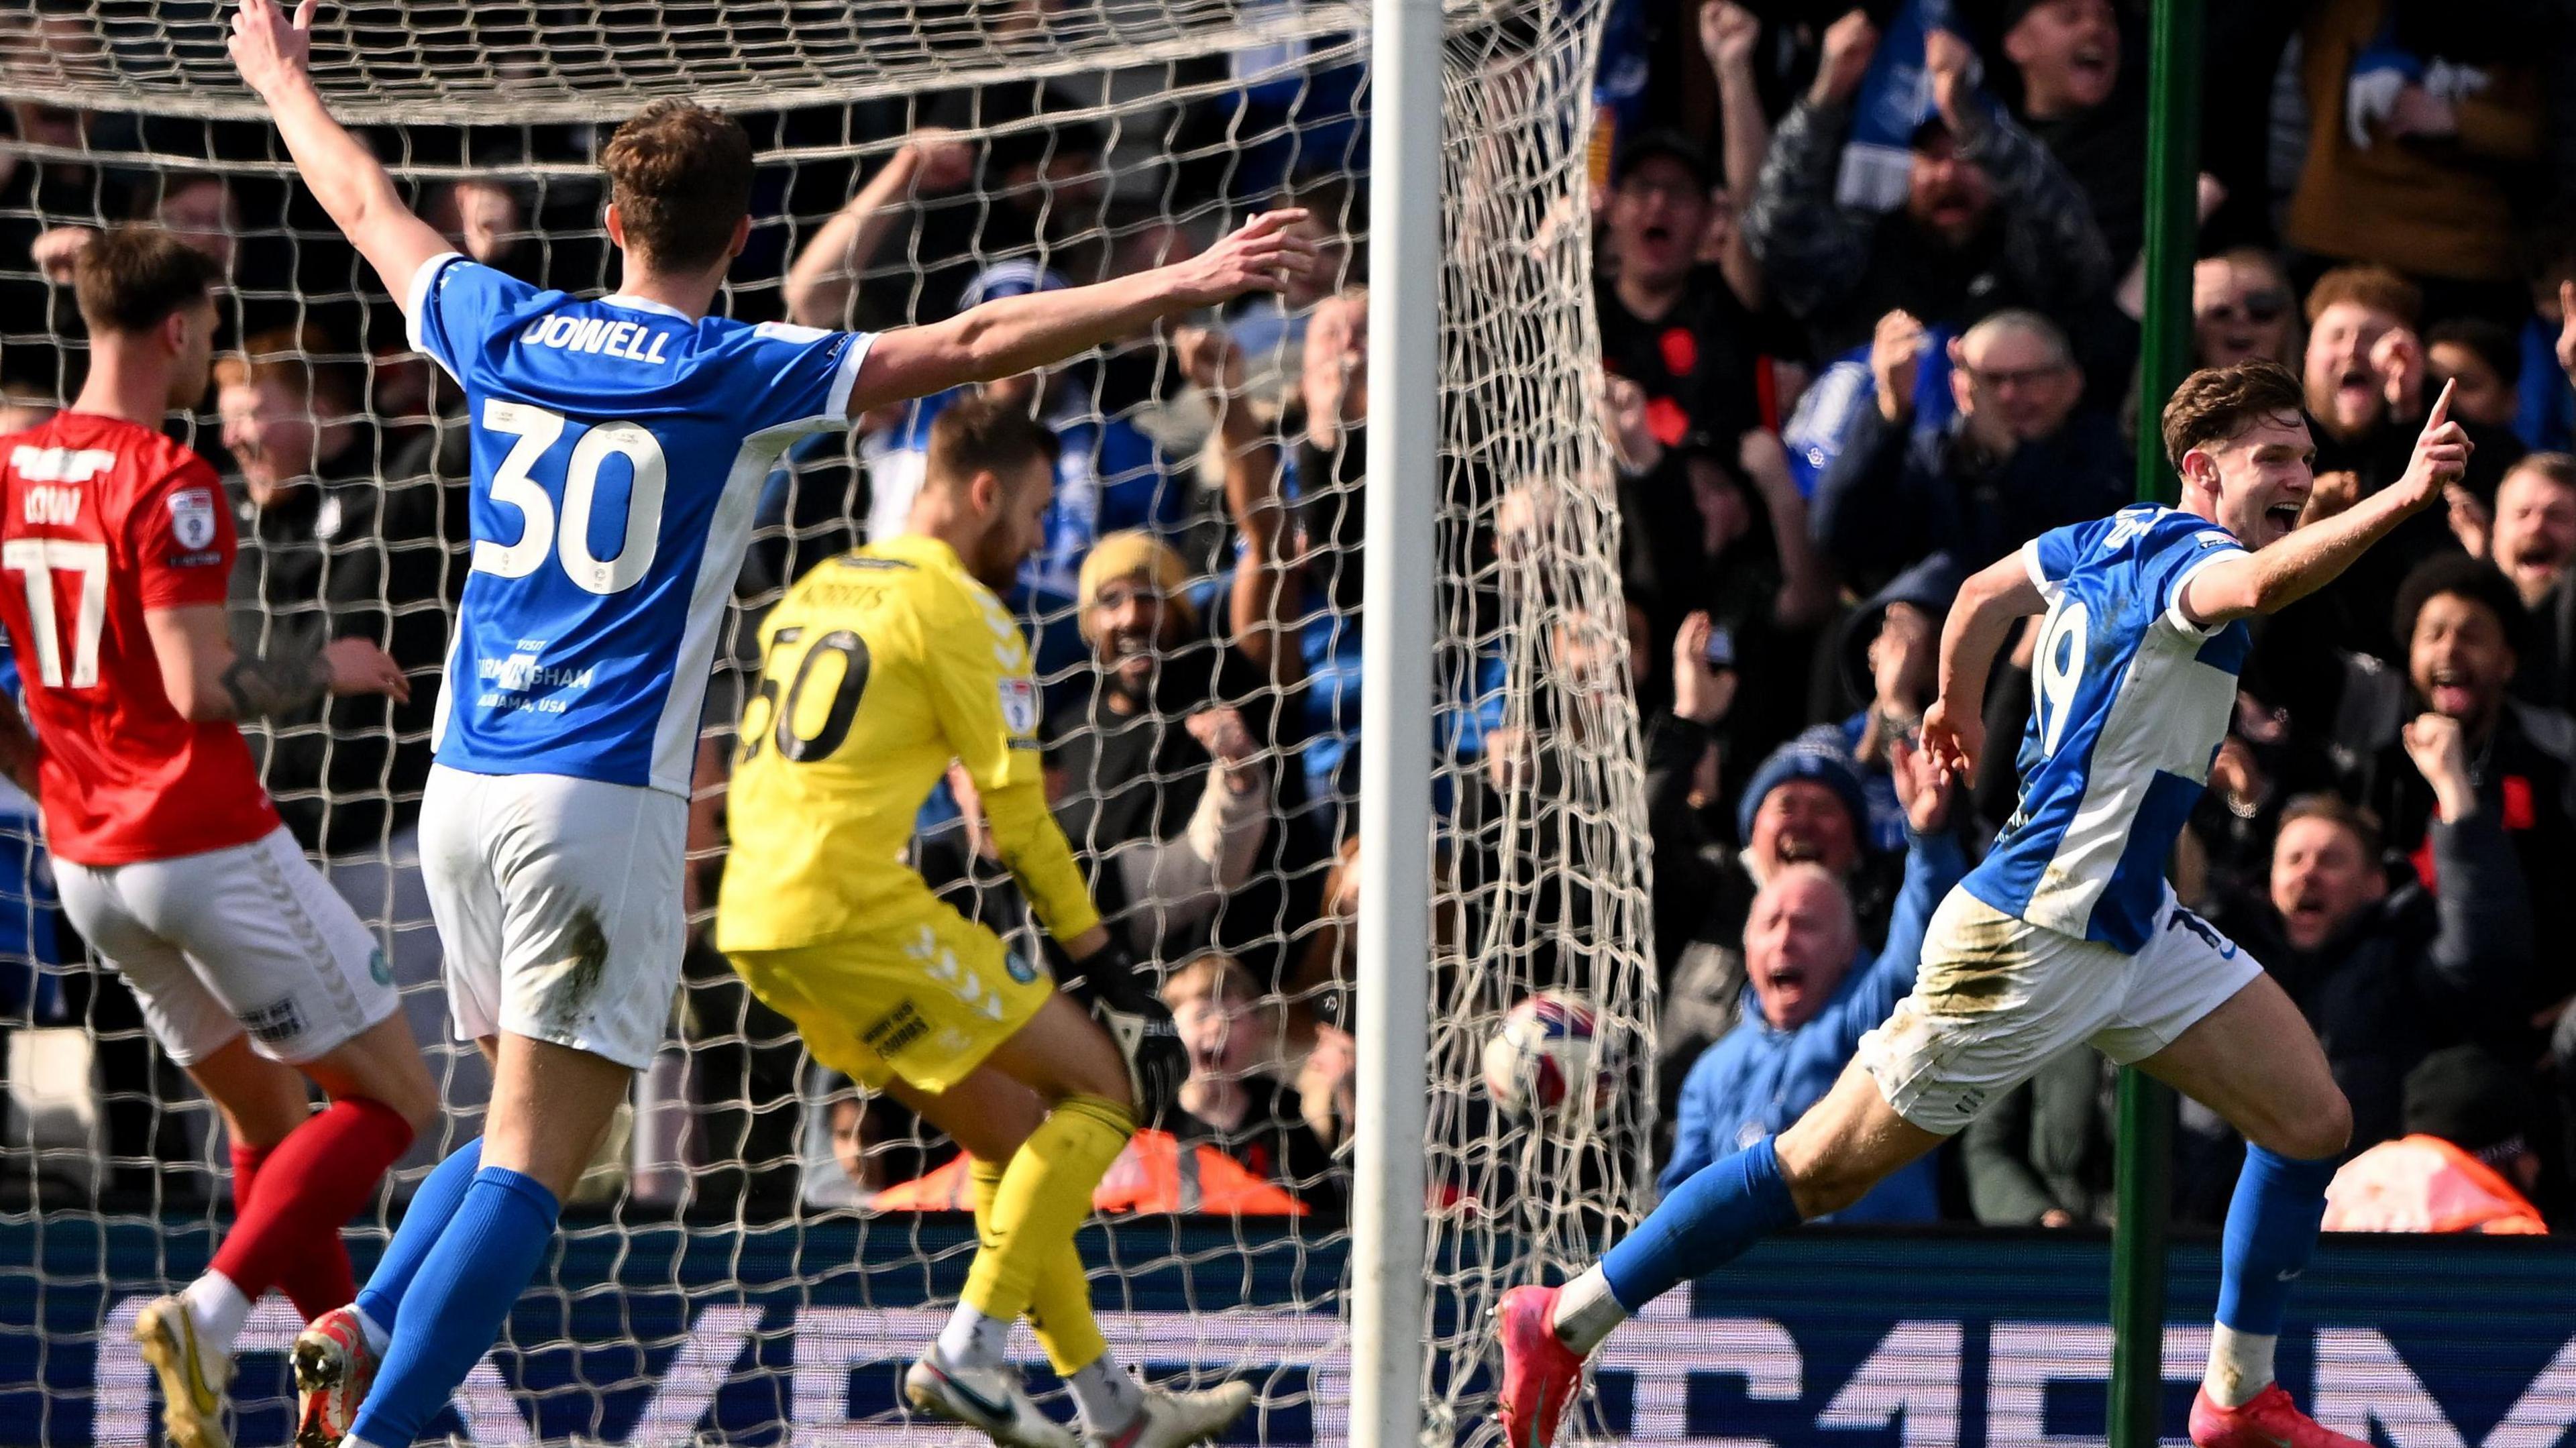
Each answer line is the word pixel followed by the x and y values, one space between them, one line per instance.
pixel 1168 787
pixel 1805 803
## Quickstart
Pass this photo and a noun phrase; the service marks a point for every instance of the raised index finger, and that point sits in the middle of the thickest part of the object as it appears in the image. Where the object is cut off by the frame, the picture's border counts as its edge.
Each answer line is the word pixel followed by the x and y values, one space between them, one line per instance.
pixel 2441 412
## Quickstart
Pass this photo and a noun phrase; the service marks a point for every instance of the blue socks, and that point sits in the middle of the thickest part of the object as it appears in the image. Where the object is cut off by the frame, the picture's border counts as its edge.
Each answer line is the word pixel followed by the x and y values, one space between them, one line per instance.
pixel 1708 1221
pixel 465 1287
pixel 2271 1231
pixel 440 1194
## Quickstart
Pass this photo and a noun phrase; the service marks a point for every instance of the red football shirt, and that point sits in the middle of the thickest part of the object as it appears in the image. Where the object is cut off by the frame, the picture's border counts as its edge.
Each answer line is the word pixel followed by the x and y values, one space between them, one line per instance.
pixel 99 521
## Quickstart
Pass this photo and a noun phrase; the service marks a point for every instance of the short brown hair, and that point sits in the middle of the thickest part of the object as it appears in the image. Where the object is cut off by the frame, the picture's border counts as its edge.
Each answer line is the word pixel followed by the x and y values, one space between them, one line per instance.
pixel 2557 467
pixel 978 434
pixel 2218 404
pixel 132 278
pixel 680 177
pixel 2370 285
pixel 2334 809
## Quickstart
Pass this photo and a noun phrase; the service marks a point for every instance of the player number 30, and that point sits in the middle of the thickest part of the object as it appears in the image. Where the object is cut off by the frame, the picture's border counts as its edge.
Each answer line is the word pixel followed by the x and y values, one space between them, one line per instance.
pixel 537 430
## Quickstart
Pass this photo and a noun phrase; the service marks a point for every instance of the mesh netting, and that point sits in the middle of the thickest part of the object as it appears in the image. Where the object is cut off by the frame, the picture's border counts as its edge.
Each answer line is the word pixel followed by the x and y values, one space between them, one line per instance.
pixel 733 1268
pixel 482 63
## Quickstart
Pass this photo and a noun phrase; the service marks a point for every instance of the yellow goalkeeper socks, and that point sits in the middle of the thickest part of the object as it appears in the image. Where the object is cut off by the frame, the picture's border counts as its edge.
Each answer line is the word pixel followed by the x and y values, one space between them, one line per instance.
pixel 1060 1306
pixel 1044 1194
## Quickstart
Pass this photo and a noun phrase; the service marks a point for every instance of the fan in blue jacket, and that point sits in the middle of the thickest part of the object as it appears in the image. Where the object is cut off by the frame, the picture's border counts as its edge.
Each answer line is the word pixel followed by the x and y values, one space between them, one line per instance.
pixel 1810 996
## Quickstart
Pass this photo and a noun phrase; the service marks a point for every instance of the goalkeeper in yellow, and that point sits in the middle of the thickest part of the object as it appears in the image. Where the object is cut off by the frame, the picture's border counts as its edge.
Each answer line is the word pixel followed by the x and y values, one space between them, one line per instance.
pixel 879 668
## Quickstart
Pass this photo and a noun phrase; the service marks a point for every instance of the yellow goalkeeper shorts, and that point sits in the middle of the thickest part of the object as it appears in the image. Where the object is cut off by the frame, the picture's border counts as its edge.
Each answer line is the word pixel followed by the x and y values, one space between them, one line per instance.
pixel 926 1000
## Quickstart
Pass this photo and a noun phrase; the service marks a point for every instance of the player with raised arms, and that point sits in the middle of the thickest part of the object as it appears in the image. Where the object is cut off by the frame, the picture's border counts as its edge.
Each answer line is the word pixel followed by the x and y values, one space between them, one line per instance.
pixel 253 975
pixel 2067 931
pixel 618 451
pixel 879 668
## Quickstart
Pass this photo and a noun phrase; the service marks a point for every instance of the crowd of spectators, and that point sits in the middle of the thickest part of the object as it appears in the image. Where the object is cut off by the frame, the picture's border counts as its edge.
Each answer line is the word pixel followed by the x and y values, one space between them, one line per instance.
pixel 1868 291
pixel 1918 229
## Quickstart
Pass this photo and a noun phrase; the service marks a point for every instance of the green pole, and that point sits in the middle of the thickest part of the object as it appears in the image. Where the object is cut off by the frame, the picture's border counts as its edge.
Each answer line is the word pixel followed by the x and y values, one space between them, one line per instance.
pixel 2173 227
pixel 2146 1106
pixel 2138 1261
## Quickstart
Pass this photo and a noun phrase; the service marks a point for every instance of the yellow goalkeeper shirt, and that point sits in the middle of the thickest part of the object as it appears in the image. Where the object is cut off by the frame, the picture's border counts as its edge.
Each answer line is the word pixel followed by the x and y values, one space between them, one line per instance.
pixel 877 669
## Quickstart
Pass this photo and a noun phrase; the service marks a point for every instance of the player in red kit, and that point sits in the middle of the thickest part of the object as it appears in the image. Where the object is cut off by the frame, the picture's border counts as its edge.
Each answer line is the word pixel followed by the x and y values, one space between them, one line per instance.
pixel 115 549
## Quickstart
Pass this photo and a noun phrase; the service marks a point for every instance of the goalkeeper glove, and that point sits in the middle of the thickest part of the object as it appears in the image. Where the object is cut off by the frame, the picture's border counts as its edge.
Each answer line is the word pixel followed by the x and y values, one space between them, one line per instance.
pixel 1122 1000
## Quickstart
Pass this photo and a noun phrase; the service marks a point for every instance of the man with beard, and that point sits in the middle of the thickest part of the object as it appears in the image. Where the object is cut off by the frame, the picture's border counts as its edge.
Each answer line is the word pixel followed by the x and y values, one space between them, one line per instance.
pixel 1163 763
pixel 2390 970
pixel 892 987
pixel 1990 219
pixel 2530 536
pixel 2465 628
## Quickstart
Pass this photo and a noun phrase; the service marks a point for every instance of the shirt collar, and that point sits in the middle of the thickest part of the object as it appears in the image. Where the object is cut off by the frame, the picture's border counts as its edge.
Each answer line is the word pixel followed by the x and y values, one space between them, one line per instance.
pixel 643 304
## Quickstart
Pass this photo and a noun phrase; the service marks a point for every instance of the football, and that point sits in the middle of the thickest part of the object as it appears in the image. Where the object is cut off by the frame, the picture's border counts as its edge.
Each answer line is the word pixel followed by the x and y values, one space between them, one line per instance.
pixel 1544 1054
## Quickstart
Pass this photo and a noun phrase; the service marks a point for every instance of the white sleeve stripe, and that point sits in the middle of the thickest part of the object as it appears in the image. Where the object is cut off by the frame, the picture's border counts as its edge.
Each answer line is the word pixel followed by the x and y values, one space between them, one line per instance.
pixel 2048 589
pixel 416 303
pixel 2173 598
pixel 837 403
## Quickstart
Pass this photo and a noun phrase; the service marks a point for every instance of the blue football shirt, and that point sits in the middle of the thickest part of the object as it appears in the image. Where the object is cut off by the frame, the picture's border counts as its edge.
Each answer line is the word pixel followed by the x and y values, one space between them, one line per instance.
pixel 618 451
pixel 2129 703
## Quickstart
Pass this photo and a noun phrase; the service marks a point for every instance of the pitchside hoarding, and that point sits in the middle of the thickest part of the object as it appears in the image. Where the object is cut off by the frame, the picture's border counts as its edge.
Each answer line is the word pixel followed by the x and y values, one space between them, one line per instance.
pixel 796 1335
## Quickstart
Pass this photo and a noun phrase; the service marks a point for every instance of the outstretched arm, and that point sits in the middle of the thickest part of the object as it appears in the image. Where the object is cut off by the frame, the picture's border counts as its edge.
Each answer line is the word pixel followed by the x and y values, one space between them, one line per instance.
pixel 342 173
pixel 1012 335
pixel 818 286
pixel 1934 861
pixel 1999 595
pixel 2312 557
pixel 1267 598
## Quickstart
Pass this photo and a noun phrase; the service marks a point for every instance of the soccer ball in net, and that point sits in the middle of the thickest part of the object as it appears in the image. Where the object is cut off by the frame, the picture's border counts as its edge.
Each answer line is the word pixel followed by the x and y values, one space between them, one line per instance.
pixel 1544 1055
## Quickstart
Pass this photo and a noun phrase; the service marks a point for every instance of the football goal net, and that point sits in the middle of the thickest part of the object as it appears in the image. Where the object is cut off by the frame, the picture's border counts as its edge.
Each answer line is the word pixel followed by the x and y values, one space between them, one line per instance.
pixel 762 1245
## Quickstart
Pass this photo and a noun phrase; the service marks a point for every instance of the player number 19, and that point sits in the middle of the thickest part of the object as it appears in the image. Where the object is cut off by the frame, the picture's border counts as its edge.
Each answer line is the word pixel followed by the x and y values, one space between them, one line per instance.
pixel 36 561
pixel 537 431
pixel 2059 670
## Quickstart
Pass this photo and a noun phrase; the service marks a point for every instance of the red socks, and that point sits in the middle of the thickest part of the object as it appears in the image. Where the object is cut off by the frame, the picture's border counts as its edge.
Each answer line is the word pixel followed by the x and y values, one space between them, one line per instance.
pixel 290 1201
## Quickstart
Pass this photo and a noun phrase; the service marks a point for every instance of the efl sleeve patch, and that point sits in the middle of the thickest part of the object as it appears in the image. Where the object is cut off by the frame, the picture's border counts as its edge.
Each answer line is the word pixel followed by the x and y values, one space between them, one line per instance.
pixel 1019 706
pixel 192 518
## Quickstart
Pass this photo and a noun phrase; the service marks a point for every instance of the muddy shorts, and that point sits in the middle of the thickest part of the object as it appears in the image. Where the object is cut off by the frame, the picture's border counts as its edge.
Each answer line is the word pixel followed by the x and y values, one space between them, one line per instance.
pixel 558 905
pixel 1998 997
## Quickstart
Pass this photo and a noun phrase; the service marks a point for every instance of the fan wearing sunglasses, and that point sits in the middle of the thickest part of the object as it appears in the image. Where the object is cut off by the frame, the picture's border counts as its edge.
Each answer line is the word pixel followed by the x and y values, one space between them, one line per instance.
pixel 2242 310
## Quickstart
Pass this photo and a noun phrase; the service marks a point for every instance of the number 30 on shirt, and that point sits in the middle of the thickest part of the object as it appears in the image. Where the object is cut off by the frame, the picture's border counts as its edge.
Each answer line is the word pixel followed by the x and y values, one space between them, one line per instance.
pixel 537 430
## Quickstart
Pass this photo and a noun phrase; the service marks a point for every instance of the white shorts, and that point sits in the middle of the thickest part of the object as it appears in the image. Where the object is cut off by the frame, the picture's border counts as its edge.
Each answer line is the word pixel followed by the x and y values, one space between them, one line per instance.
pixel 558 903
pixel 248 939
pixel 1998 997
